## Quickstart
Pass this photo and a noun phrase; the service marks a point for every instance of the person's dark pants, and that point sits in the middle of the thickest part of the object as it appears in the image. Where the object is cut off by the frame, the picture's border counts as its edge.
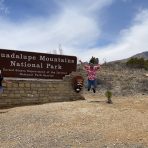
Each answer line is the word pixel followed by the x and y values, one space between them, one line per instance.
pixel 91 83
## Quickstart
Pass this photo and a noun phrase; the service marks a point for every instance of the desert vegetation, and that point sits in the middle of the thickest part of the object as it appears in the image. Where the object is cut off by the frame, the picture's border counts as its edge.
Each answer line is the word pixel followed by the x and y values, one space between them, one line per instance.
pixel 137 63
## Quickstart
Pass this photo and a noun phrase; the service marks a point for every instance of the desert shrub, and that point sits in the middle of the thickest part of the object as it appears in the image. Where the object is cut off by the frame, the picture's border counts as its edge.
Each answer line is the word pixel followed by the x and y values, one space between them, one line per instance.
pixel 146 64
pixel 137 63
pixel 108 94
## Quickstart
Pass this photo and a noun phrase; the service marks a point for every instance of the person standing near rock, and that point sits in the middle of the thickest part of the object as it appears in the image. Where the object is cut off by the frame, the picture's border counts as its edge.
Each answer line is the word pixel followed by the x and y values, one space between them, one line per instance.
pixel 91 70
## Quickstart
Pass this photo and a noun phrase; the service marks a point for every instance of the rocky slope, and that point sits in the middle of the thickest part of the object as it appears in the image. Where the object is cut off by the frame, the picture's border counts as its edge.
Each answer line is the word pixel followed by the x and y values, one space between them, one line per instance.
pixel 120 79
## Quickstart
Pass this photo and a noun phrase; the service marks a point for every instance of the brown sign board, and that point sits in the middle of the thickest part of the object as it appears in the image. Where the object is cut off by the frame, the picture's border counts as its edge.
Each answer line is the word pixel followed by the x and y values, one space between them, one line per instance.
pixel 22 64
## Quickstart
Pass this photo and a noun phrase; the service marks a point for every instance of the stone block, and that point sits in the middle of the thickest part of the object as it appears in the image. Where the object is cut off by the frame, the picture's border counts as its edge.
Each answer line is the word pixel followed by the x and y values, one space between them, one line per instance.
pixel 21 85
pixel 16 92
pixel 24 95
pixel 41 95
pixel 4 95
pixel 22 91
pixel 33 85
pixel 27 89
pixel 14 85
pixel 11 95
pixel 17 95
pixel 38 85
pixel 4 84
pixel 43 85
pixel 41 88
pixel 34 92
pixel 27 84
pixel 9 85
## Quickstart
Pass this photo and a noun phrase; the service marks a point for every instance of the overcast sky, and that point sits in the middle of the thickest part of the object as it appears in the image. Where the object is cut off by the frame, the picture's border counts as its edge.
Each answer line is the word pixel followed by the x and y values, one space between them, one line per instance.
pixel 107 29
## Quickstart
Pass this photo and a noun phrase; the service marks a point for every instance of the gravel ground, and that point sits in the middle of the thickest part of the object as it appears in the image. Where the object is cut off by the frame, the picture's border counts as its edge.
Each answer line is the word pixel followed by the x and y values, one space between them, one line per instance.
pixel 91 123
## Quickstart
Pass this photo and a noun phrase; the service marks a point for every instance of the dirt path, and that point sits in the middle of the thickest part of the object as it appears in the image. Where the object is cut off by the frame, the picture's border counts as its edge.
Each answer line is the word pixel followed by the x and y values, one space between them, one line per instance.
pixel 81 124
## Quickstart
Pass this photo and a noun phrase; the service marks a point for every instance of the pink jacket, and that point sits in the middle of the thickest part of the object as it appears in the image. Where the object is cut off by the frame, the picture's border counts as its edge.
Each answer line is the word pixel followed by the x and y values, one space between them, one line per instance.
pixel 91 72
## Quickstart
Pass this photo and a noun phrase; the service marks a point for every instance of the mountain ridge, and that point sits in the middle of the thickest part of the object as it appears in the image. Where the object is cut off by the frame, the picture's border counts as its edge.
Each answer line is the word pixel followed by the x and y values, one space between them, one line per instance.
pixel 138 55
pixel 142 55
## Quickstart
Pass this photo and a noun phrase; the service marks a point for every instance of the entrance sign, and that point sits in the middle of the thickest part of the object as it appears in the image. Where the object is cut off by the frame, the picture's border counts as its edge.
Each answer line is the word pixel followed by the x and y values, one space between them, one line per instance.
pixel 22 64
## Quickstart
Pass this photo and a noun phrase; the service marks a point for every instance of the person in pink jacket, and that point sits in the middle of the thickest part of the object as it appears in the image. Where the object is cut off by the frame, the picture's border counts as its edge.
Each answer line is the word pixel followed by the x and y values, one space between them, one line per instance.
pixel 91 70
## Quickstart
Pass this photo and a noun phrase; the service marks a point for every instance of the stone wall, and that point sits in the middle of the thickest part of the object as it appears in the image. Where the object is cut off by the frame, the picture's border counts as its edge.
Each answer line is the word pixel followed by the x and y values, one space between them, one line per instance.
pixel 25 92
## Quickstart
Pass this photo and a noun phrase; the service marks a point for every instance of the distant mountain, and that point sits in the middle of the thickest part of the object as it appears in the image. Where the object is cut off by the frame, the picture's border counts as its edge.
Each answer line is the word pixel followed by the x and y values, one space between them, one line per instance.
pixel 141 55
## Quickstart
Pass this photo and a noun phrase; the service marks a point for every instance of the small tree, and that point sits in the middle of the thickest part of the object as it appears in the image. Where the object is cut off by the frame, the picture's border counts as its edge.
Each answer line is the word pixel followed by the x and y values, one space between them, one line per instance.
pixel 108 94
pixel 94 60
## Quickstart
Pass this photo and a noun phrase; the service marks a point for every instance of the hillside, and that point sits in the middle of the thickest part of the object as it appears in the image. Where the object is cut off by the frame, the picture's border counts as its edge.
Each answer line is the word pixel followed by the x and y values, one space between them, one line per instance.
pixel 142 55
pixel 139 55
pixel 120 80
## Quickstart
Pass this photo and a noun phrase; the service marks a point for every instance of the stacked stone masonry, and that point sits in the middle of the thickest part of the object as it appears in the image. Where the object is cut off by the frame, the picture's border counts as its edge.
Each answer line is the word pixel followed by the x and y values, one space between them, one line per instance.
pixel 26 92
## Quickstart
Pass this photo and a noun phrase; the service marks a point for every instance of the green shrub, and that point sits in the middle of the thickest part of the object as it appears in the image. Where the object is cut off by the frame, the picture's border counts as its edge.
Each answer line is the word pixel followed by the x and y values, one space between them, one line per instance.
pixel 108 94
pixel 137 63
